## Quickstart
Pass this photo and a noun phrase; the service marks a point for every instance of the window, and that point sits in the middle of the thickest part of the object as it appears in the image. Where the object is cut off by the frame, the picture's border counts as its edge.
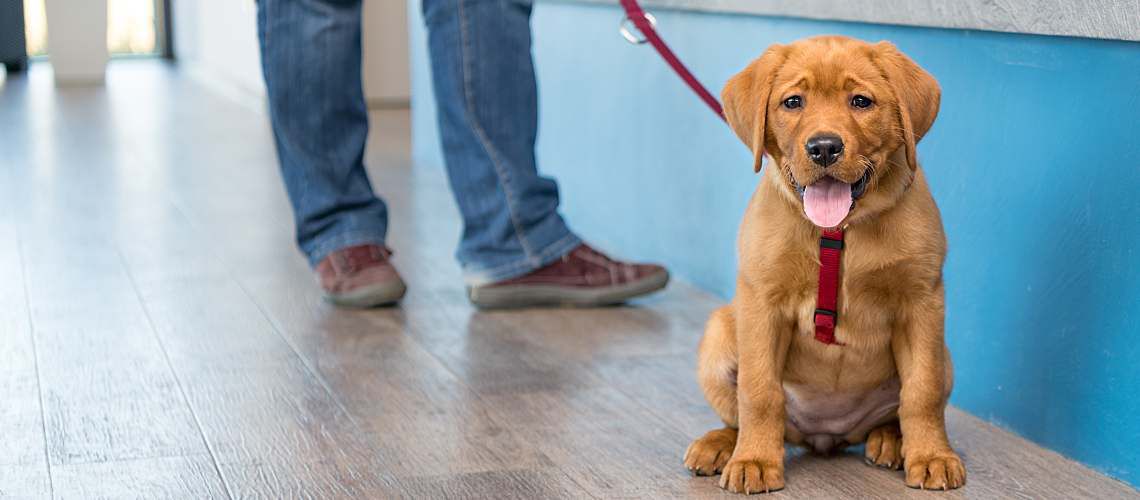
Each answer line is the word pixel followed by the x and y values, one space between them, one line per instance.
pixel 133 27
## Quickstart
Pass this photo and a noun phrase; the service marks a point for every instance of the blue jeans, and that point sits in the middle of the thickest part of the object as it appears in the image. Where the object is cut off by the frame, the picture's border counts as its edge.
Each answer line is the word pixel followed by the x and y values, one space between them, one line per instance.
pixel 484 83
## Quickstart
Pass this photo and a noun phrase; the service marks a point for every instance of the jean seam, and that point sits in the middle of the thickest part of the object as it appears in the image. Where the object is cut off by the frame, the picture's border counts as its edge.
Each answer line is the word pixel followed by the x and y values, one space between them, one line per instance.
pixel 555 249
pixel 324 95
pixel 481 135
pixel 263 17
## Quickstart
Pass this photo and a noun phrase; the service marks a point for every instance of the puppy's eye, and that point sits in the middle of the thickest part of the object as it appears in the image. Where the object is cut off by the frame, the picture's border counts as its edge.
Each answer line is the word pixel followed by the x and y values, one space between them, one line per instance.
pixel 793 102
pixel 861 101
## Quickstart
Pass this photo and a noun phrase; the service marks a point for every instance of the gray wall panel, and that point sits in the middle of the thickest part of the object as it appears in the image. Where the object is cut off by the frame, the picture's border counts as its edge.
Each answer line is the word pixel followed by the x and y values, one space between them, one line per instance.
pixel 1108 19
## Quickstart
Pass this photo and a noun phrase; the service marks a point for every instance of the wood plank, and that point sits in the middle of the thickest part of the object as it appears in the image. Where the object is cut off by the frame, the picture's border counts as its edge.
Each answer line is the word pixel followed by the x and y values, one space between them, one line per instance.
pixel 25 481
pixel 108 391
pixel 422 419
pixel 492 357
pixel 271 424
pixel 273 427
pixel 23 458
pixel 666 385
pixel 669 323
pixel 602 440
pixel 276 433
pixel 16 349
pixel 21 423
pixel 1003 464
pixel 209 323
pixel 21 419
pixel 152 478
pixel 504 485
pixel 284 478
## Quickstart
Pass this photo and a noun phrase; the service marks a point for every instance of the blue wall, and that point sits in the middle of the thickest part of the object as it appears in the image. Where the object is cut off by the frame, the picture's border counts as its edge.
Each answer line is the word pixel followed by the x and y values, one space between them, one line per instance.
pixel 1034 160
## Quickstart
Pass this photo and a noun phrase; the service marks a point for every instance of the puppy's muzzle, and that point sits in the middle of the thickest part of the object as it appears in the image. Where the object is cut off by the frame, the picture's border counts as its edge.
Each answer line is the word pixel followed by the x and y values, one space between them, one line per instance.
pixel 824 149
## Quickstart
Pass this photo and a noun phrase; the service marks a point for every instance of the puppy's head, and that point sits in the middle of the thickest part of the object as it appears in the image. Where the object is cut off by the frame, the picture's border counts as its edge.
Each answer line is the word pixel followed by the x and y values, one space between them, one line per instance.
pixel 839 117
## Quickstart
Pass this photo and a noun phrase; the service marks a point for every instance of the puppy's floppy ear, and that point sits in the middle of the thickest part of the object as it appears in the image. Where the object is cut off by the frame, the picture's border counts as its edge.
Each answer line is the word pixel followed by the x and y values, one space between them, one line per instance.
pixel 917 93
pixel 745 99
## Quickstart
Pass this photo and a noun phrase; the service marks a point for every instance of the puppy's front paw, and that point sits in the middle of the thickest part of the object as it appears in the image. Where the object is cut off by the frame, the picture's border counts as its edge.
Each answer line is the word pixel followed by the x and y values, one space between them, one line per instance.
pixel 939 470
pixel 743 475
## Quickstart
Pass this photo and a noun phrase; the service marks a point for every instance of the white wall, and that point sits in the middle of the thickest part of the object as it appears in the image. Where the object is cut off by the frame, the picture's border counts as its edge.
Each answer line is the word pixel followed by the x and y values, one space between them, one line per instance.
pixel 217 41
pixel 386 66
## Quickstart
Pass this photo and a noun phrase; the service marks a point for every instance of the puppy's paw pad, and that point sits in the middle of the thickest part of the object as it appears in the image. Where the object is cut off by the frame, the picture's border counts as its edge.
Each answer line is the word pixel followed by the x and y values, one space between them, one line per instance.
pixel 708 454
pixel 935 471
pixel 884 447
pixel 753 476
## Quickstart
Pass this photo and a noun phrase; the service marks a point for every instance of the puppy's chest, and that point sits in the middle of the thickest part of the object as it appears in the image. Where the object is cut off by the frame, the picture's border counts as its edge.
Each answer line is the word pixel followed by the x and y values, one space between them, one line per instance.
pixel 867 302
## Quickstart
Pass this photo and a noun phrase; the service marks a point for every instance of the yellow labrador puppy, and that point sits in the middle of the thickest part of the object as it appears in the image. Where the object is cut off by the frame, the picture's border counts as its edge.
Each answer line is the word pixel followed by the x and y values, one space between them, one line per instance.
pixel 840 119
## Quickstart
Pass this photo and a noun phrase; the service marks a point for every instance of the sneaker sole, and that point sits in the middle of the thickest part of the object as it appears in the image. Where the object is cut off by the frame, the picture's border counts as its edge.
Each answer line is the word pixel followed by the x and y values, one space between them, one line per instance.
pixel 516 296
pixel 370 296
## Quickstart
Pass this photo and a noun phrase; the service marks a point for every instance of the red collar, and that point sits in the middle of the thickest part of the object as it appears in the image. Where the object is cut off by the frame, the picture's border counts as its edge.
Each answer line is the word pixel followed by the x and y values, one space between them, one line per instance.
pixel 826 299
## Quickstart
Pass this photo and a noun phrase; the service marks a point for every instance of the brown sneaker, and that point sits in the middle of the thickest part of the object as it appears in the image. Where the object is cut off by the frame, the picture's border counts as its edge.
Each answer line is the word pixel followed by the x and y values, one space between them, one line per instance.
pixel 360 276
pixel 583 277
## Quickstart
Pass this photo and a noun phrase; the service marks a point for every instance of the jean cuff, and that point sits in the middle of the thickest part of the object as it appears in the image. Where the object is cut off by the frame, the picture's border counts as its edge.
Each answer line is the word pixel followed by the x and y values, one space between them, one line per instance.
pixel 326 246
pixel 546 255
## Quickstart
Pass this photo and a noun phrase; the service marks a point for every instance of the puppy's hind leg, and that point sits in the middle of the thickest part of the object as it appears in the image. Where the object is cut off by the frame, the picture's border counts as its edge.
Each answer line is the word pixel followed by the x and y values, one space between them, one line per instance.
pixel 884 446
pixel 716 372
pixel 709 453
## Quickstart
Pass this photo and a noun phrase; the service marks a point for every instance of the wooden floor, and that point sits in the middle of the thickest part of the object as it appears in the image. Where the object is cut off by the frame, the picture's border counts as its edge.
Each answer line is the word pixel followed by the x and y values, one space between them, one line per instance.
pixel 161 337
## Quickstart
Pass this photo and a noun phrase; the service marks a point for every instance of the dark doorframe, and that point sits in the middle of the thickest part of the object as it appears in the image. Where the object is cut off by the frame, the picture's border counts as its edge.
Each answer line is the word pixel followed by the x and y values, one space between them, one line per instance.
pixel 167 30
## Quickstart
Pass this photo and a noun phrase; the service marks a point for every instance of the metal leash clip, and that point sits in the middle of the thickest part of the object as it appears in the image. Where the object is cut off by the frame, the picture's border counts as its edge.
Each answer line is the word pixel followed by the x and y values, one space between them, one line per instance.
pixel 625 28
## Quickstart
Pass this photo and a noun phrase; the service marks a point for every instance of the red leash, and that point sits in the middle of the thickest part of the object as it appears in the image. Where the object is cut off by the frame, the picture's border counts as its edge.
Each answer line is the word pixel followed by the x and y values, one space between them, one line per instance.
pixel 830 243
pixel 645 23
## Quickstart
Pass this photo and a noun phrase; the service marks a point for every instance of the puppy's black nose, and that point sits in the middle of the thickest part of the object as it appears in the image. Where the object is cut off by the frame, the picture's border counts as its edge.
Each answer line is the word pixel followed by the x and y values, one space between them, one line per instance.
pixel 824 149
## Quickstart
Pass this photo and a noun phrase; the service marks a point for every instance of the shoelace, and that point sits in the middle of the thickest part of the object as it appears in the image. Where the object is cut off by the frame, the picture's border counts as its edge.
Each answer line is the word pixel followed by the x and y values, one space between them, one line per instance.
pixel 596 254
pixel 616 271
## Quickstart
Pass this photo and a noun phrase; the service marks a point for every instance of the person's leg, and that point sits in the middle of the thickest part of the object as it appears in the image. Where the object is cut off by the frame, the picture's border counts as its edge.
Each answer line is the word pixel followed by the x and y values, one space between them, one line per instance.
pixel 516 249
pixel 485 90
pixel 310 56
pixel 311 60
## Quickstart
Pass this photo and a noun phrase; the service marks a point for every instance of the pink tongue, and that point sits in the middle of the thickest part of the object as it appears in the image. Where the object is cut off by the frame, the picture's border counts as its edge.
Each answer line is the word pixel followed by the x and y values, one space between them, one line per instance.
pixel 827 202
